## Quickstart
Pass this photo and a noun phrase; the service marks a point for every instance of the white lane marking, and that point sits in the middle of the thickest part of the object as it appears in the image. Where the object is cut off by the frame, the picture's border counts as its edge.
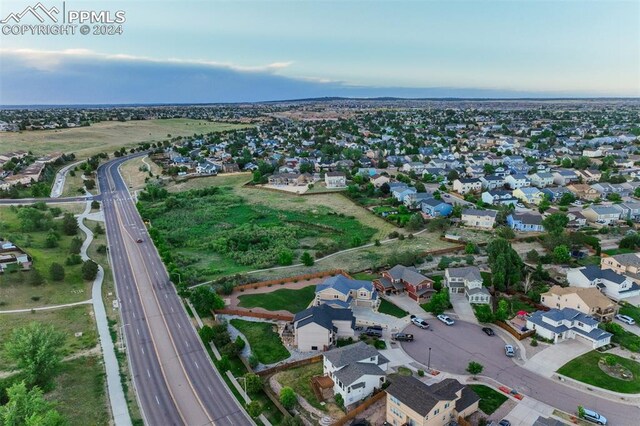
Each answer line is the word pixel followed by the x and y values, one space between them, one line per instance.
pixel 210 390
pixel 148 373
pixel 178 325
pixel 142 349
pixel 171 308
pixel 186 343
pixel 197 366
pixel 138 331
pixel 157 400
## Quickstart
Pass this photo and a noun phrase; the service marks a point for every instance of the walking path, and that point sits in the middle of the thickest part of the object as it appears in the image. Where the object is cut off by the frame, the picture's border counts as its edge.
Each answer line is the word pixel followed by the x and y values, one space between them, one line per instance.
pixel 46 308
pixel 61 176
pixel 118 401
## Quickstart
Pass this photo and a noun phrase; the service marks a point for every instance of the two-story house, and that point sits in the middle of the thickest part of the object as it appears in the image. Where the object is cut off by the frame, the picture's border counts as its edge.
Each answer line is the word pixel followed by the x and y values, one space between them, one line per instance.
pixel 436 208
pixel 467 280
pixel 414 201
pixel 530 195
pixel 342 292
pixel 627 264
pixel 406 278
pixel 525 222
pixel 612 284
pixel 567 323
pixel 482 219
pixel 564 177
pixel 589 301
pixel 335 180
pixel 602 214
pixel 467 185
pixel 320 327
pixel 498 197
pixel 402 191
pixel 541 179
pixel 517 181
pixel 357 370
pixel 583 191
pixel 490 182
pixel 413 402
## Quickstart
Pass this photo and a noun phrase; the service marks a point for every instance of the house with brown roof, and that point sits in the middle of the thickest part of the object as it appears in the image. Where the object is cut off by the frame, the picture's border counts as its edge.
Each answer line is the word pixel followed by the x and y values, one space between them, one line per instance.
pixel 589 301
pixel 627 264
pixel 584 191
pixel 412 402
pixel 405 278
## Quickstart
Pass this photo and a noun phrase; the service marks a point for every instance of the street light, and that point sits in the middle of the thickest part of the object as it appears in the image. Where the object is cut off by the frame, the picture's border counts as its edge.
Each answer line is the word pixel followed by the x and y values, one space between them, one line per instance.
pixel 122 338
pixel 246 395
pixel 429 361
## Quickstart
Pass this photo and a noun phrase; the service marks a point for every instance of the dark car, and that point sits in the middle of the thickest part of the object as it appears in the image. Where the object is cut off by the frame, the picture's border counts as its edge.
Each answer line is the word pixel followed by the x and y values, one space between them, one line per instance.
pixel 504 422
pixel 139 240
pixel 402 337
pixel 488 331
pixel 373 332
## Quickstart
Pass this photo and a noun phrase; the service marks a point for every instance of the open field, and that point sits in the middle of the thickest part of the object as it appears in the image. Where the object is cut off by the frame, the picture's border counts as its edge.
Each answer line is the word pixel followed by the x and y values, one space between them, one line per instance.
pixel 264 342
pixel 80 392
pixel 280 300
pixel 490 400
pixel 585 369
pixel 67 320
pixel 134 174
pixel 73 184
pixel 107 136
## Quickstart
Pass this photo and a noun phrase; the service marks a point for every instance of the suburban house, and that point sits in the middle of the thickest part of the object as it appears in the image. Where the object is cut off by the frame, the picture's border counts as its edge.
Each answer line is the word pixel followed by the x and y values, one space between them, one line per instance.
pixel 414 201
pixel 589 176
pixel 490 182
pixel 498 196
pixel 564 177
pixel 467 185
pixel 624 264
pixel 541 179
pixel 517 181
pixel 413 402
pixel 414 166
pixel 290 179
pixel 567 323
pixel 356 370
pixel 379 180
pixel 602 214
pixel 555 193
pixel 342 292
pixel 629 210
pixel 467 280
pixel 400 192
pixel 335 180
pixel 483 219
pixel 406 278
pixel 530 195
pixel 525 222
pixel 612 284
pixel 436 208
pixel 319 327
pixel 589 301
pixel 13 258
pixel 584 191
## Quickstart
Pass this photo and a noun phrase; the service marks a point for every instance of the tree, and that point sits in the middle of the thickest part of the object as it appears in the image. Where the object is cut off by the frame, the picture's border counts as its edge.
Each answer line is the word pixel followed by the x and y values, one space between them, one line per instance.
pixel 566 199
pixel 544 205
pixel 56 272
pixel 505 263
pixel 483 313
pixel 28 408
pixel 385 188
pixel 307 259
pixel 206 333
pixel 75 246
pixel 35 278
pixel 474 368
pixel 292 421
pixel 339 400
pixel 204 299
pixel 69 224
pixel 51 240
pixel 90 184
pixel 439 302
pixel 416 222
pixel 614 197
pixel 254 408
pixel 502 313
pixel 555 223
pixel 420 187
pixel 37 350
pixel 89 270
pixel 470 248
pixel 453 175
pixel 253 383
pixel 527 283
pixel 98 230
pixel 288 397
pixel 561 254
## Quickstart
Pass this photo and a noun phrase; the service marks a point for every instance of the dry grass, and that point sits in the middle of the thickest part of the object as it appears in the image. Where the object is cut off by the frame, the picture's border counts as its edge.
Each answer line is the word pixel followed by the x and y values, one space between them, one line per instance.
pixel 133 174
pixel 107 136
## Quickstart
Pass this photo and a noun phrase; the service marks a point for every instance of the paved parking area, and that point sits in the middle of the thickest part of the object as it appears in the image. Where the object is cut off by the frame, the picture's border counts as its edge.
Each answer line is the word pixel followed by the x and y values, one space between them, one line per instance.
pixel 365 316
pixel 555 356
pixel 462 307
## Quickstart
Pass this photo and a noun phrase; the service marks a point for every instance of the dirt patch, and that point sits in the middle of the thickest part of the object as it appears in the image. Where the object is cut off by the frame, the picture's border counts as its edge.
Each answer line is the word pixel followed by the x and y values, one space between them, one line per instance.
pixel 616 371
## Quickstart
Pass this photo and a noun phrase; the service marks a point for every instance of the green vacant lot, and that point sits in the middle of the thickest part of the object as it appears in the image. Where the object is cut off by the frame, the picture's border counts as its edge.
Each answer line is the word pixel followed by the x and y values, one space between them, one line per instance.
pixel 214 231
pixel 284 299
pixel 585 369
pixel 389 308
pixel 264 342
pixel 490 399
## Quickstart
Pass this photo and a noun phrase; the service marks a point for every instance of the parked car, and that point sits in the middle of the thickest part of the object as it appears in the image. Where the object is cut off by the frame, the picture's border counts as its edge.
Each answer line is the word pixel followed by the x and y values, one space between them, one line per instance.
pixel 488 331
pixel 595 417
pixel 402 337
pixel 373 332
pixel 509 351
pixel 504 422
pixel 626 319
pixel 445 319
pixel 420 322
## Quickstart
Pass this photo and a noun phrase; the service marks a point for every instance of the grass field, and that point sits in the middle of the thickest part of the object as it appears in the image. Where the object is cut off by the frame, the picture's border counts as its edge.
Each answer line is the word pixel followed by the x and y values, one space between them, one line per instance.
pixel 134 174
pixel 280 300
pixel 632 311
pixel 264 342
pixel 107 136
pixel 389 308
pixel 67 320
pixel 80 392
pixel 585 369
pixel 490 400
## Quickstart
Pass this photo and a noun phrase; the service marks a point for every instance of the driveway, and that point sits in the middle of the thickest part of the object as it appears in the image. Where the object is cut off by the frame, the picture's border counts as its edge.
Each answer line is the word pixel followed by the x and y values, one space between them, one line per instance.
pixel 453 347
pixel 462 308
pixel 408 304
pixel 365 317
pixel 555 356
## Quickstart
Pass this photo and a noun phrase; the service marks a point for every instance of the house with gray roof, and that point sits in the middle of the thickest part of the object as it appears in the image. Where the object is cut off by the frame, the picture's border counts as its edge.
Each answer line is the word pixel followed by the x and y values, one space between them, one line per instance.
pixel 602 214
pixel 568 323
pixel 356 370
pixel 482 219
pixel 406 278
pixel 342 292
pixel 413 402
pixel 467 280
pixel 609 282
pixel 319 327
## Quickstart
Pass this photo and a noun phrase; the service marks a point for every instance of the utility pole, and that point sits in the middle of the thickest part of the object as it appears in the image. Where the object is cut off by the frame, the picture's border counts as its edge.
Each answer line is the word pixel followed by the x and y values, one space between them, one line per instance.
pixel 429 361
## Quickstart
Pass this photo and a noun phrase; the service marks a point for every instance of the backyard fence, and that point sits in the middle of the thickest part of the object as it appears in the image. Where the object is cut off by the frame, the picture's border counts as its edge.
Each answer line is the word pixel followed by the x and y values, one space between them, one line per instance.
pixel 359 409
pixel 249 313
pixel 520 336
pixel 289 365
pixel 305 277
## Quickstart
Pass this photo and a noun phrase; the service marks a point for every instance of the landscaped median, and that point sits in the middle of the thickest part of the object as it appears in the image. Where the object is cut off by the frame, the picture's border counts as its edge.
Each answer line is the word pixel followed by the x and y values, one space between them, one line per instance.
pixel 605 371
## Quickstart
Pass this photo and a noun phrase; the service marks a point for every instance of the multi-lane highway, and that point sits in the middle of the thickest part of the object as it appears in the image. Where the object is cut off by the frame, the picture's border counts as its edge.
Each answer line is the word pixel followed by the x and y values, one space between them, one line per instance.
pixel 173 375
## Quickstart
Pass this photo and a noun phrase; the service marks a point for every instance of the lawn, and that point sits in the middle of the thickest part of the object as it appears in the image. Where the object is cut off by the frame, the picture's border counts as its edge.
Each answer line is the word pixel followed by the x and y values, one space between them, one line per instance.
pixel 365 276
pixel 622 337
pixel 389 308
pixel 264 342
pixel 630 310
pixel 613 252
pixel 107 136
pixel 585 369
pixel 283 299
pixel 490 399
pixel 516 305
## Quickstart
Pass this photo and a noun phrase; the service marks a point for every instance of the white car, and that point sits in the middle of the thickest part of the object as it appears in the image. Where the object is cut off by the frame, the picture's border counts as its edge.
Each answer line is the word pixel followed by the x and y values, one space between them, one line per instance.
pixel 509 350
pixel 594 417
pixel 420 322
pixel 445 319
pixel 625 319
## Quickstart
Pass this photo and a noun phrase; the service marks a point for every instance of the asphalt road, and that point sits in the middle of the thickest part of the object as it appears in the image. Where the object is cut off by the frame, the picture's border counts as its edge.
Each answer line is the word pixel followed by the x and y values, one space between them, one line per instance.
pixel 9 201
pixel 452 348
pixel 173 375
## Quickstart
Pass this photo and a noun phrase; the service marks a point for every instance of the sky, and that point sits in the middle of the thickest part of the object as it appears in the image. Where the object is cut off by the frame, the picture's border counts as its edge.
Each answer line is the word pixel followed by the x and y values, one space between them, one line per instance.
pixel 238 51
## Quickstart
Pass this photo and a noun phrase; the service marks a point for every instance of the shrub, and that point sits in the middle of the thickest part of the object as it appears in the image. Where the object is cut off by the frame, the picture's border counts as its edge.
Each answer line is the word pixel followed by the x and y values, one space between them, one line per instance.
pixel 56 272
pixel 339 400
pixel 288 397
pixel 254 408
pixel 224 364
pixel 74 259
pixel 89 270
pixel 421 373
pixel 206 333
pixel 534 341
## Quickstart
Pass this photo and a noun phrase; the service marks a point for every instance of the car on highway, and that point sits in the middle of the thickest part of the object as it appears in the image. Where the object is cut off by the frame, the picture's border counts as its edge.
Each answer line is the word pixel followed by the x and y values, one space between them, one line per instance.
pixel 488 331
pixel 420 322
pixel 509 351
pixel 402 337
pixel 445 319
pixel 594 416
pixel 139 240
pixel 626 319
